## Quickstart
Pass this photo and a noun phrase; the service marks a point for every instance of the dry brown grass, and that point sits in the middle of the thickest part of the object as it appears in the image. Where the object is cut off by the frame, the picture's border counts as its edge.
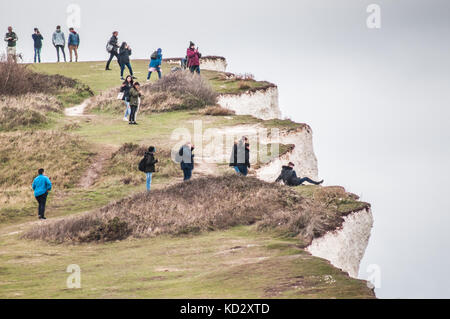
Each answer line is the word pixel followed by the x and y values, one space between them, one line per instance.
pixel 216 110
pixel 204 204
pixel 17 79
pixel 175 91
pixel 26 110
pixel 123 164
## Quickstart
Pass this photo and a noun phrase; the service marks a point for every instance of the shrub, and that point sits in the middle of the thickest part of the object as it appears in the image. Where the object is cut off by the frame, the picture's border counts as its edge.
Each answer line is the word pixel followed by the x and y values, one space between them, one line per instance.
pixel 204 204
pixel 216 110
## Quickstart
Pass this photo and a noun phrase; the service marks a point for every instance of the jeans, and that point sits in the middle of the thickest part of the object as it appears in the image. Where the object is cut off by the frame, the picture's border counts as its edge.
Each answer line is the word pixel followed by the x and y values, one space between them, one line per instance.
pixel 63 51
pixel 242 169
pixel 149 181
pixel 187 173
pixel 122 68
pixel 127 110
pixel 300 181
pixel 195 68
pixel 133 113
pixel 41 200
pixel 37 54
pixel 112 54
pixel 150 74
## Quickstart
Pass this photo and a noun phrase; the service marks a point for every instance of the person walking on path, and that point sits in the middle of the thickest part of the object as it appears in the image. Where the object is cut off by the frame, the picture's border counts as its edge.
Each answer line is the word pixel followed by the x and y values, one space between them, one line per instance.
pixel 289 177
pixel 240 156
pixel 147 165
pixel 112 47
pixel 124 59
pixel 41 186
pixel 155 64
pixel 11 38
pixel 59 42
pixel 193 58
pixel 135 96
pixel 73 43
pixel 37 38
pixel 125 89
pixel 187 160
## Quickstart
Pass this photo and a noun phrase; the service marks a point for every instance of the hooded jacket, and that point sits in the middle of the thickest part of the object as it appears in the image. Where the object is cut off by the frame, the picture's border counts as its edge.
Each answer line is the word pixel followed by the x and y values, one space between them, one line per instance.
pixel 193 57
pixel 74 39
pixel 58 38
pixel 288 175
pixel 124 55
pixel 154 63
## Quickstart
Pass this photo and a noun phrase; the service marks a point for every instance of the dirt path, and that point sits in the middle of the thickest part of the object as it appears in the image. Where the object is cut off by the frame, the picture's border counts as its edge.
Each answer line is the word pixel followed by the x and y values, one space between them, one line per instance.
pixel 93 172
pixel 77 110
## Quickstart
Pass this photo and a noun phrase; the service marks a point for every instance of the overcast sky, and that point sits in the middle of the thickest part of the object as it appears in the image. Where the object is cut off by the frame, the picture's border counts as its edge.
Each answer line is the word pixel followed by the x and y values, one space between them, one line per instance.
pixel 377 99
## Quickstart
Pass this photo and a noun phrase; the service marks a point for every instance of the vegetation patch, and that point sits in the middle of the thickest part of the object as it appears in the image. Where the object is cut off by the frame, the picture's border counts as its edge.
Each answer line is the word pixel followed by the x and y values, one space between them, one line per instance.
pixel 204 204
pixel 63 156
pixel 216 110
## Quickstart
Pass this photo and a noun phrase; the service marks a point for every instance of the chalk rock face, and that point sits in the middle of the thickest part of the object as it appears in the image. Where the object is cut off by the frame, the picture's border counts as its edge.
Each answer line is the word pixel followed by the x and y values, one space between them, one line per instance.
pixel 345 247
pixel 211 63
pixel 302 155
pixel 261 103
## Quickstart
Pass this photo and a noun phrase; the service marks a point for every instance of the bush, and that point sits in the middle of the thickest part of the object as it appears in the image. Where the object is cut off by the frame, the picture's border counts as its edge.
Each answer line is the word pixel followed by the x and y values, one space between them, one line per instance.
pixel 217 110
pixel 204 204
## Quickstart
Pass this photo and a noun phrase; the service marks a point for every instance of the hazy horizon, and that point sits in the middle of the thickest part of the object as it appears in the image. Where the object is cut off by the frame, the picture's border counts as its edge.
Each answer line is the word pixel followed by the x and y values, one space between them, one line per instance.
pixel 377 99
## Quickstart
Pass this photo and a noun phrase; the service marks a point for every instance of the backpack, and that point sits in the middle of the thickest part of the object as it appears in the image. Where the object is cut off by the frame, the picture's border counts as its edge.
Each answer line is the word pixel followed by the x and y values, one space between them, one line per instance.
pixel 154 55
pixel 143 164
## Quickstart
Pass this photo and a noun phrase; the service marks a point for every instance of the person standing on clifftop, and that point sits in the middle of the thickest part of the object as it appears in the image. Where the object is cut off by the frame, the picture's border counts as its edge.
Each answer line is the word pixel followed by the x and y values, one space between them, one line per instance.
pixel 41 186
pixel 289 177
pixel 147 165
pixel 11 38
pixel 135 95
pixel 37 38
pixel 59 42
pixel 240 156
pixel 193 58
pixel 112 47
pixel 187 160
pixel 155 64
pixel 73 43
pixel 124 60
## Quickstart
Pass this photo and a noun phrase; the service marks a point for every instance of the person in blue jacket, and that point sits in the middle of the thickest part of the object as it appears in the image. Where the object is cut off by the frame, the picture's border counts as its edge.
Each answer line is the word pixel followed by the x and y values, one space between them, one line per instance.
pixel 73 43
pixel 155 64
pixel 41 186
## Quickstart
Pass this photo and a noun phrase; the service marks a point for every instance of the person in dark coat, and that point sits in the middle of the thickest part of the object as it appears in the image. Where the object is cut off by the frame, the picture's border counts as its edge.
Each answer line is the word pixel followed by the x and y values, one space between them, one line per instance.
pixel 124 60
pixel 113 47
pixel 289 177
pixel 187 160
pixel 125 89
pixel 240 156
pixel 150 162
pixel 135 96
pixel 37 39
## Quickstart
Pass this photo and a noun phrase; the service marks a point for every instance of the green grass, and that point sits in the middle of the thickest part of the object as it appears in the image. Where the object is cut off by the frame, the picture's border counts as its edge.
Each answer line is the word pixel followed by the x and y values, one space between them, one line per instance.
pixel 222 85
pixel 238 263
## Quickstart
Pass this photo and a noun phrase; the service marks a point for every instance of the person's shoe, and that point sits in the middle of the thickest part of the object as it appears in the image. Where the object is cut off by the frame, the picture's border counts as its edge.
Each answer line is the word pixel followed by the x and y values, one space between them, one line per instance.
pixel 134 123
pixel 122 79
pixel 108 69
pixel 42 218
pixel 130 123
pixel 321 182
pixel 134 78
pixel 125 119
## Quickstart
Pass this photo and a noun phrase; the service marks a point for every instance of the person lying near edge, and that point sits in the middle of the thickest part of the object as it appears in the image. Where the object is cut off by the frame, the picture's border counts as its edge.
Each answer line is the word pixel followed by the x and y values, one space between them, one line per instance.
pixel 289 177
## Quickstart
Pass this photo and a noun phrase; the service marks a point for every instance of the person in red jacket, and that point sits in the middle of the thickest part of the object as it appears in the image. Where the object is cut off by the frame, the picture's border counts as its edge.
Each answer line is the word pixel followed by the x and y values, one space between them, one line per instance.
pixel 193 58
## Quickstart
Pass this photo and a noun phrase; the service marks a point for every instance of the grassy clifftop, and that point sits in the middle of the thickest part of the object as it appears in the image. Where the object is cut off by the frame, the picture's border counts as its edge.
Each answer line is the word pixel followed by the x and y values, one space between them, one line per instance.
pixel 219 237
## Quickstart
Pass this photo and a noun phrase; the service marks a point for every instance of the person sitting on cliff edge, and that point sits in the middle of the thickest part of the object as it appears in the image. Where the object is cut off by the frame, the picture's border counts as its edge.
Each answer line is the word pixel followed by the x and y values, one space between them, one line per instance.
pixel 289 177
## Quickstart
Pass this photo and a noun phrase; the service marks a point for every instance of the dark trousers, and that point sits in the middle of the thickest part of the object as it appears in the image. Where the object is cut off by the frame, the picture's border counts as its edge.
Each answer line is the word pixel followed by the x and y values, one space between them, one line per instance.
pixel 63 51
pixel 300 181
pixel 42 201
pixel 122 68
pixel 112 54
pixel 187 173
pixel 243 169
pixel 133 113
pixel 195 68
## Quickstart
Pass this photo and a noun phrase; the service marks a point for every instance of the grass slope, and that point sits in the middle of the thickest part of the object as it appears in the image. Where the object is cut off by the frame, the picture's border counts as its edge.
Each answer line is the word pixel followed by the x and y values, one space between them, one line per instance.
pixel 233 261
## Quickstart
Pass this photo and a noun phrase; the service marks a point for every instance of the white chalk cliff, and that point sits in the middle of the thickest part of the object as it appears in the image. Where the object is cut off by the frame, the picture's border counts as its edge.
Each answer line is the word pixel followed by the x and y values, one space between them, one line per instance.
pixel 343 247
